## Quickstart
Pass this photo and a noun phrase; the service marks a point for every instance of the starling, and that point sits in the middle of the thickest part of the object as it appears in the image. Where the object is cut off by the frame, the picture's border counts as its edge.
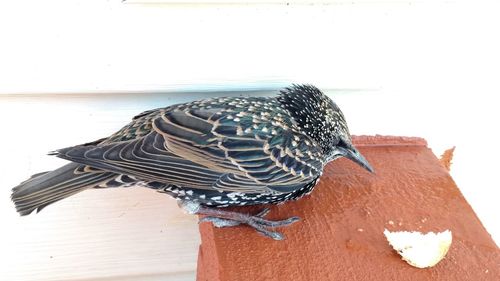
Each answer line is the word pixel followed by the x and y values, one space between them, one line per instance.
pixel 217 152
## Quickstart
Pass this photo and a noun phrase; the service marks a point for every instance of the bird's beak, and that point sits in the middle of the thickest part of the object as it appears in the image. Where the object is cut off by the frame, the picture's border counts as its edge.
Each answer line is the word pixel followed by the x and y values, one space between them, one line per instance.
pixel 354 155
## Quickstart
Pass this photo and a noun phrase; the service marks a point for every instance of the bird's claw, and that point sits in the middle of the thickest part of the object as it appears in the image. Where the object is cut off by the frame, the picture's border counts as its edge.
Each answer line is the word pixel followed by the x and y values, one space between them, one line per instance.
pixel 258 222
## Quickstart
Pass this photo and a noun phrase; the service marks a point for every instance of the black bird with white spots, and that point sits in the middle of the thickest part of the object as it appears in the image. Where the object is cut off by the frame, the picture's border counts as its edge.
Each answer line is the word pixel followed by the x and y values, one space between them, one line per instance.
pixel 217 152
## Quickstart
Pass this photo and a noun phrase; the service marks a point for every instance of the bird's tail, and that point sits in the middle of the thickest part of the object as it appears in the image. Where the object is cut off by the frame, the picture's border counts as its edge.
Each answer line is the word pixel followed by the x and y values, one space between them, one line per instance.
pixel 46 188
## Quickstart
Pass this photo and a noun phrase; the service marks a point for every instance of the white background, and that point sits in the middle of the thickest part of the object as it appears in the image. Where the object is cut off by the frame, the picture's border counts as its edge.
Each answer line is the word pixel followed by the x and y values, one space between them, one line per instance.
pixel 417 68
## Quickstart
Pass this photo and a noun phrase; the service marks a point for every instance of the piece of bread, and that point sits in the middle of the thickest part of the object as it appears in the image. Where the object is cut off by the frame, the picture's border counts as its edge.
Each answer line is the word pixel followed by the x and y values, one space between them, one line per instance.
pixel 418 249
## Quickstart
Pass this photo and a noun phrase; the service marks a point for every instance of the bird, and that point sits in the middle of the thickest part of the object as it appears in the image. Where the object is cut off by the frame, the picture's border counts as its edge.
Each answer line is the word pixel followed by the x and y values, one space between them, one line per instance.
pixel 210 154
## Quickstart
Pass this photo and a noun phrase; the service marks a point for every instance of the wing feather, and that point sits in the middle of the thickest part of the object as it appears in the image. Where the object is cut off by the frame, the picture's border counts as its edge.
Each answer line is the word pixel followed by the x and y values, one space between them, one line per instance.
pixel 210 145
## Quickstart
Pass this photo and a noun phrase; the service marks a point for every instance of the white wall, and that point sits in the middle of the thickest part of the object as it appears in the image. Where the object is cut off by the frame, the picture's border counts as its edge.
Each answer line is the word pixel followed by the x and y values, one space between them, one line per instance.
pixel 82 46
pixel 421 68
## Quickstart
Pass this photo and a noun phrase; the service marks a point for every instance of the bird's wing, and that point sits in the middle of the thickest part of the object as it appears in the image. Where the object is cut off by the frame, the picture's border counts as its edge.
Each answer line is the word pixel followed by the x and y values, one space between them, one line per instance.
pixel 203 146
pixel 144 158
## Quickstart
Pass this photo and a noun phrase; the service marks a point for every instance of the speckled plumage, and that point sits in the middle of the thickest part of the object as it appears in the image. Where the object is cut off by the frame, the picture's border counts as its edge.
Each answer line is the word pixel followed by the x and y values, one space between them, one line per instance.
pixel 215 152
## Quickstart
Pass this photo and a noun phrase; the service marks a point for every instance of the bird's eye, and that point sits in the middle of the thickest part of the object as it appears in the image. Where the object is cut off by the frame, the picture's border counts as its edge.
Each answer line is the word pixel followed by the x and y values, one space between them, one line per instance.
pixel 342 143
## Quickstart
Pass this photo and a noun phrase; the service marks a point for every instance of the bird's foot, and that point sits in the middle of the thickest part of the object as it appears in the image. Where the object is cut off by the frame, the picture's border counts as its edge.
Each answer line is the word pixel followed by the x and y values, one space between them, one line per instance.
pixel 220 222
pixel 222 218
pixel 257 222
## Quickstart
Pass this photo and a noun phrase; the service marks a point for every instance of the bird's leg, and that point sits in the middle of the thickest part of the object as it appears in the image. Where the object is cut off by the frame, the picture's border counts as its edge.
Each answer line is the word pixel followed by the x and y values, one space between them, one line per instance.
pixel 222 218
pixel 221 222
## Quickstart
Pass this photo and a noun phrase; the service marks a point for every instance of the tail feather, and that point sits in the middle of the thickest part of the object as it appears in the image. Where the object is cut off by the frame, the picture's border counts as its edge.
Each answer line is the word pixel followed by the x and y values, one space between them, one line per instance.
pixel 46 188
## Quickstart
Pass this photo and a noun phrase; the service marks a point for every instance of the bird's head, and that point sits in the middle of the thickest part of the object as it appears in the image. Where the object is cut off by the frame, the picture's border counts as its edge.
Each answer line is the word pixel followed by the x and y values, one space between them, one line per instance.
pixel 321 119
